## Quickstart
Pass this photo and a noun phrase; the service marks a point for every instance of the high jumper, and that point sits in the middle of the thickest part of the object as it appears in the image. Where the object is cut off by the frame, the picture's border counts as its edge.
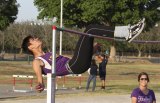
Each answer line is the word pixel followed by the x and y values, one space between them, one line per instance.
pixel 81 60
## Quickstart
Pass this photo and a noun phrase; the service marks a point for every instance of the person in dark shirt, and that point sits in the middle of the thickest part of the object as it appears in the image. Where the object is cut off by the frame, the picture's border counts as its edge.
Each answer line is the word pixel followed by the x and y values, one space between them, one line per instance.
pixel 102 69
pixel 92 76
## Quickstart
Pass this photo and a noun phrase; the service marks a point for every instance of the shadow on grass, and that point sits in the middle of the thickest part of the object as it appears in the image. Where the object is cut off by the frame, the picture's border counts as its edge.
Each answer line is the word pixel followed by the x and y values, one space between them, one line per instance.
pixel 129 73
pixel 4 98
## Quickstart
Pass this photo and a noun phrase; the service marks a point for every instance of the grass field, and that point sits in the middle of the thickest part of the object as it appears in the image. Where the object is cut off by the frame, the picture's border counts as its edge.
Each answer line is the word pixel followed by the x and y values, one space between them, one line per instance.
pixel 121 77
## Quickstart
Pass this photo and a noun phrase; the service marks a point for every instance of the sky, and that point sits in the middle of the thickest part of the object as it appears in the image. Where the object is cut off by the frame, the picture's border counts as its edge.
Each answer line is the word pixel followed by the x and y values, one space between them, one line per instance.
pixel 27 11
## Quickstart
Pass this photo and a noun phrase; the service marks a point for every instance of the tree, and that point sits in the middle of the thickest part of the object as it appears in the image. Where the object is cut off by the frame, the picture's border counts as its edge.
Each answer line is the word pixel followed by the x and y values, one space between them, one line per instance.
pixel 8 12
pixel 80 13
pixel 109 12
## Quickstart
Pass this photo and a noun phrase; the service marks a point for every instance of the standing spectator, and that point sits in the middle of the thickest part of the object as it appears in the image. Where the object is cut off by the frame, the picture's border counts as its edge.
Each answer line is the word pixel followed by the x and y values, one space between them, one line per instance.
pixel 142 94
pixel 102 69
pixel 92 75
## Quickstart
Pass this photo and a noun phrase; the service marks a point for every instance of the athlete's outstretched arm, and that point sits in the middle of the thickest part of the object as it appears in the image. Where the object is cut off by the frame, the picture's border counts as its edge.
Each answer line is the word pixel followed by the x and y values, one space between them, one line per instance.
pixel 37 68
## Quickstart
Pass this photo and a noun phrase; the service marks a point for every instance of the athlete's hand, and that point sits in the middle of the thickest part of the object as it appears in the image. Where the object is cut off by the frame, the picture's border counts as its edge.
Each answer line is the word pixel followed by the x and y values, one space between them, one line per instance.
pixel 40 87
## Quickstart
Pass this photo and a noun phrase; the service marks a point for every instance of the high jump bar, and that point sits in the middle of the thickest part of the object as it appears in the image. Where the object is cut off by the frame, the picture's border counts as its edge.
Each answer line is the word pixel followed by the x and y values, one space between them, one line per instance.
pixel 107 38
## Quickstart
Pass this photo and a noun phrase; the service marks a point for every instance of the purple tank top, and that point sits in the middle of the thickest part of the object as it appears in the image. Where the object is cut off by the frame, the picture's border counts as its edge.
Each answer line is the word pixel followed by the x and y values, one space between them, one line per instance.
pixel 61 64
pixel 142 98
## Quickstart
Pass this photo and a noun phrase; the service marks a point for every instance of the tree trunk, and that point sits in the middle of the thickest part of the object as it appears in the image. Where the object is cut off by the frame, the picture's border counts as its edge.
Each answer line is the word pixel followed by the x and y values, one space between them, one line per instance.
pixel 20 51
pixel 112 53
pixel 139 53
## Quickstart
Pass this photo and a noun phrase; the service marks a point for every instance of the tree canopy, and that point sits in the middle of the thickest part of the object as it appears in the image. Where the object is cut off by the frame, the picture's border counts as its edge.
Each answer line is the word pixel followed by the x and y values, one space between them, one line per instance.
pixel 80 13
pixel 8 12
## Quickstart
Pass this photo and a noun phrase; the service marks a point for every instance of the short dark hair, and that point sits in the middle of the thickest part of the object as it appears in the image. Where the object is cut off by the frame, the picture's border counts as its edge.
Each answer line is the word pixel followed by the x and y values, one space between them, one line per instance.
pixel 25 44
pixel 143 73
pixel 103 55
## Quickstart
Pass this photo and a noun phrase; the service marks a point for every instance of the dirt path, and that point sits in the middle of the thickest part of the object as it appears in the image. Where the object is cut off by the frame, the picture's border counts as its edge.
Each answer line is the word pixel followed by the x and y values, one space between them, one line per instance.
pixel 82 99
pixel 79 99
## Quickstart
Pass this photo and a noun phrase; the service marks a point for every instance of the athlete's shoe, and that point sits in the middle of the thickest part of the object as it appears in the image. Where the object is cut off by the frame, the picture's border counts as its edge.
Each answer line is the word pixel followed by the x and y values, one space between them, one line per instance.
pixel 40 87
pixel 135 30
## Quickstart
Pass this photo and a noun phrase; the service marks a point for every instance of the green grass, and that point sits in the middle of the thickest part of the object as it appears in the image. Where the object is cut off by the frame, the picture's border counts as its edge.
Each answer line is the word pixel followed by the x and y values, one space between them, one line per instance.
pixel 121 77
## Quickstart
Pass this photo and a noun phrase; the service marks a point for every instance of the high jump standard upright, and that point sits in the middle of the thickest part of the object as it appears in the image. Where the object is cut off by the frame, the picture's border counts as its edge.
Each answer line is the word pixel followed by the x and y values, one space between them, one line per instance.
pixel 51 77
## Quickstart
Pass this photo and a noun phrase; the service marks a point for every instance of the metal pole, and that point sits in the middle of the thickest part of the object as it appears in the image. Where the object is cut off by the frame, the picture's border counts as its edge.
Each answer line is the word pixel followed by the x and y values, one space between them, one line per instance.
pixel 51 77
pixel 61 24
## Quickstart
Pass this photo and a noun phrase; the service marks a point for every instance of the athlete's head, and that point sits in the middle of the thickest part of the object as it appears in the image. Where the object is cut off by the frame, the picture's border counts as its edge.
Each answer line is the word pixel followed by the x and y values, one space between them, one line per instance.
pixel 30 43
